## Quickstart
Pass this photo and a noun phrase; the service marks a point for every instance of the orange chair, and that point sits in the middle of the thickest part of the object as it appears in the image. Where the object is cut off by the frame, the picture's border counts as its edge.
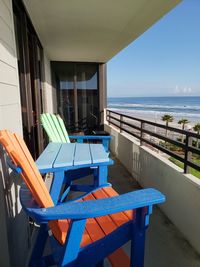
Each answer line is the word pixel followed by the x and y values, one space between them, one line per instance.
pixel 83 232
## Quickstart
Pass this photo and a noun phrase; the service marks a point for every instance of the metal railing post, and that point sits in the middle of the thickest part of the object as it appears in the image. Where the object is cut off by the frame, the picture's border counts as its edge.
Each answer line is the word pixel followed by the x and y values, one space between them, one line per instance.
pixel 141 133
pixel 108 117
pixel 188 154
pixel 120 125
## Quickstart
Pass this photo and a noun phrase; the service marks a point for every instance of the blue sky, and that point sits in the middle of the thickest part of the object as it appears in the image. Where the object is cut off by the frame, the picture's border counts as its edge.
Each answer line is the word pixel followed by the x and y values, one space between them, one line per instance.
pixel 164 61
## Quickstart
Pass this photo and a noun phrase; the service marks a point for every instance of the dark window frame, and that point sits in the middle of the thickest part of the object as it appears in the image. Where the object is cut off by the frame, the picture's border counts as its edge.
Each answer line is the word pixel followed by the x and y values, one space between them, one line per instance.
pixel 74 64
pixel 30 78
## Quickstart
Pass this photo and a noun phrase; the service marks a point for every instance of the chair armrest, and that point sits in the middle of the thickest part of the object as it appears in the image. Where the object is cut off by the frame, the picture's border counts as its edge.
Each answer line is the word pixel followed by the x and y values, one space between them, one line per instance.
pixel 93 208
pixel 91 137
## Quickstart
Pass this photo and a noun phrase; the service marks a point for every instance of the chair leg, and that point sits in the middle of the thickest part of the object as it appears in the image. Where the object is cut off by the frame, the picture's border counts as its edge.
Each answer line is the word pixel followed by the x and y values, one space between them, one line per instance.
pixel 72 243
pixel 39 245
pixel 100 264
pixel 138 239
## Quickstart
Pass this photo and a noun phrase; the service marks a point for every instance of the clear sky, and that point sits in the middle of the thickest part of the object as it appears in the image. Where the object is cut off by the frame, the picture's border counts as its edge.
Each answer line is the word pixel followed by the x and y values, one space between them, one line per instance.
pixel 164 61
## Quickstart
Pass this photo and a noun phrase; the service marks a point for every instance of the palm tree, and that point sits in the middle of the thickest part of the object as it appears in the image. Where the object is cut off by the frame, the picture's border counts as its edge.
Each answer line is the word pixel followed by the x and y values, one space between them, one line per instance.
pixel 167 118
pixel 197 129
pixel 183 122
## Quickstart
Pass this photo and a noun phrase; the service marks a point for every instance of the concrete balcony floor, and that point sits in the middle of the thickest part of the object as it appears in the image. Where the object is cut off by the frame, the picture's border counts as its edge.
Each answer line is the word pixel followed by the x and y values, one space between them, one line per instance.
pixel 165 245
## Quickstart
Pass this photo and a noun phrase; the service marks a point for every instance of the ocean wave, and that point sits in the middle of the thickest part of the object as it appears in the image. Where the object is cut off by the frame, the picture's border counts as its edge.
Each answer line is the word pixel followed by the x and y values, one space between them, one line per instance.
pixel 153 106
pixel 158 114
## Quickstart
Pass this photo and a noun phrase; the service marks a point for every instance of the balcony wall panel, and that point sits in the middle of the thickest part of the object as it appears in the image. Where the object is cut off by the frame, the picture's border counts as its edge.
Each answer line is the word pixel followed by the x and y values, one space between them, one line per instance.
pixel 151 169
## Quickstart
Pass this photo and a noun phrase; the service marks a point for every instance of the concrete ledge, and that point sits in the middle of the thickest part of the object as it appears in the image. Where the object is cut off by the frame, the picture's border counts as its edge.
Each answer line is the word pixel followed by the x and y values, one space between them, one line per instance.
pixel 152 170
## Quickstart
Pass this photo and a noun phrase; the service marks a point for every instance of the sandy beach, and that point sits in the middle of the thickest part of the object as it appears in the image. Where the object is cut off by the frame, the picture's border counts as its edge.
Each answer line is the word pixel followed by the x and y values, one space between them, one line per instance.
pixel 157 117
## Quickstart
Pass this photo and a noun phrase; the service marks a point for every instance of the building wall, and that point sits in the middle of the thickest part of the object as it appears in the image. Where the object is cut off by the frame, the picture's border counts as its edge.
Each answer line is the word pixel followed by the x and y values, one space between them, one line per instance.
pixel 150 169
pixel 48 94
pixel 13 246
pixel 10 112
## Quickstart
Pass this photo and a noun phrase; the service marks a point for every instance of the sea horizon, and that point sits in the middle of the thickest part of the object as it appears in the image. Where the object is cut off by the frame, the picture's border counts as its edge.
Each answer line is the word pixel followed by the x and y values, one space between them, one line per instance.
pixel 154 107
pixel 153 96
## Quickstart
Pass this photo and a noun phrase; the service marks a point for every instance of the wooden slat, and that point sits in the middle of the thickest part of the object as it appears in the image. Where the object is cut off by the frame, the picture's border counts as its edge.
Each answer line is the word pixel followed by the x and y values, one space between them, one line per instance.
pixel 82 154
pixel 56 125
pixel 118 218
pixel 105 222
pixel 37 176
pixel 92 231
pixel 47 158
pixel 98 153
pixel 63 226
pixel 65 156
pixel 63 129
pixel 119 257
pixel 18 151
pixel 47 126
pixel 111 193
pixel 53 128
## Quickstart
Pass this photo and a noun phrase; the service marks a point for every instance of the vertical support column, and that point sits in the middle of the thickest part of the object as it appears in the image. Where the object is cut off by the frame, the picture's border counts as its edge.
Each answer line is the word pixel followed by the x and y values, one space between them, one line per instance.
pixel 102 91
pixel 188 154
pixel 75 99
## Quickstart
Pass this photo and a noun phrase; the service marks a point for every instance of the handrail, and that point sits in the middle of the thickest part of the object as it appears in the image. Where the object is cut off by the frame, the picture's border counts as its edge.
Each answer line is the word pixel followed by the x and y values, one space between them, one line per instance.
pixel 140 131
pixel 195 135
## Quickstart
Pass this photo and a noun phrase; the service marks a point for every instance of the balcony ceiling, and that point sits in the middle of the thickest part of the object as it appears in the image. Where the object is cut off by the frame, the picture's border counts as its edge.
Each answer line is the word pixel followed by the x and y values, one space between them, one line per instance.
pixel 92 30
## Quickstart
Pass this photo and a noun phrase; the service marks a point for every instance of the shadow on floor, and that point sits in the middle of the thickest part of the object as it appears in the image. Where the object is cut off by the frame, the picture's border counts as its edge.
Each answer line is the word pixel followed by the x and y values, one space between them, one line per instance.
pixel 165 245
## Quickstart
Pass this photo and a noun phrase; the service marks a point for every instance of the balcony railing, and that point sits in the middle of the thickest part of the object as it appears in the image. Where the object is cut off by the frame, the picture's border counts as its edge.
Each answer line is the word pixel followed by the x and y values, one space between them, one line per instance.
pixel 177 143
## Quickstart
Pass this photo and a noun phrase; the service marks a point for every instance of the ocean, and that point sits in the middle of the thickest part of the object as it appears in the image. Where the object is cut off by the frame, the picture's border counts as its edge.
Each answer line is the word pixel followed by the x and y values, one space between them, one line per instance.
pixel 154 108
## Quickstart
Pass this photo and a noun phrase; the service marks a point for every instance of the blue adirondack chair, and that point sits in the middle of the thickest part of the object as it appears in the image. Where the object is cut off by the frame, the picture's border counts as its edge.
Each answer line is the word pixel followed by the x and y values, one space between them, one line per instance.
pixel 86 231
pixel 55 128
pixel 56 131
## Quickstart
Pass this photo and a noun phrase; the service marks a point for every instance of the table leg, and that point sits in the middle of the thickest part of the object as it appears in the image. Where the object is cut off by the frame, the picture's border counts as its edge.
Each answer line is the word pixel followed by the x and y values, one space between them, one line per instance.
pixel 101 176
pixel 56 186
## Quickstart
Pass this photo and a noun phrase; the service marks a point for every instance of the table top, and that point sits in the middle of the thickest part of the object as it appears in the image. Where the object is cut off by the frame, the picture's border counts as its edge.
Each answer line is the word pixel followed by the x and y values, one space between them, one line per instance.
pixel 66 155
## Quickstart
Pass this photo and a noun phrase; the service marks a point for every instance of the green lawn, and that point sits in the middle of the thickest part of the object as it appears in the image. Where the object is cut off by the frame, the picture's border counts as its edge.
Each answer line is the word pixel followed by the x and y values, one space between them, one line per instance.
pixel 180 164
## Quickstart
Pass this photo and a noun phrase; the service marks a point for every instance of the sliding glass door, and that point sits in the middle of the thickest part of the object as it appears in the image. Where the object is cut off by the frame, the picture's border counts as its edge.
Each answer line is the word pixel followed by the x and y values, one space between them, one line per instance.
pixel 30 64
pixel 77 94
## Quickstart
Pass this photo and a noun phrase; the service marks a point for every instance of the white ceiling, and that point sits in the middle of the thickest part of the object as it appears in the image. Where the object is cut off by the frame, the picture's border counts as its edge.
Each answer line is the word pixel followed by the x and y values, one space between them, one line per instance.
pixel 92 30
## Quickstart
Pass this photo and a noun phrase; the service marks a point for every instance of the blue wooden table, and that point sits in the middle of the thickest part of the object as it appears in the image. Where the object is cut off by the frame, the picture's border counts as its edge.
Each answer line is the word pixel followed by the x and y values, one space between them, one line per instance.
pixel 60 159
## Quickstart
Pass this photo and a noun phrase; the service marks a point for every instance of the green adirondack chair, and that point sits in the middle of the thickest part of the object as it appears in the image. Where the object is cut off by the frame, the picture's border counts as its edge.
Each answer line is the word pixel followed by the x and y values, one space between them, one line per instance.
pixel 56 131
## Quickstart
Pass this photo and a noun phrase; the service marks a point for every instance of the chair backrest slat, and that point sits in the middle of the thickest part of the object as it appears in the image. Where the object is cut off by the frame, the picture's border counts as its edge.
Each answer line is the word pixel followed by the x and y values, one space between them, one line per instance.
pixel 20 155
pixel 58 128
pixel 55 128
pixel 47 126
pixel 63 129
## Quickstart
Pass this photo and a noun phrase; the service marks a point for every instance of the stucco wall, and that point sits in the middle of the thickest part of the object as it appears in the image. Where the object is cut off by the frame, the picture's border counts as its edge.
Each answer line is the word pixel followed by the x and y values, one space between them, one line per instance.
pixel 13 241
pixel 152 170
